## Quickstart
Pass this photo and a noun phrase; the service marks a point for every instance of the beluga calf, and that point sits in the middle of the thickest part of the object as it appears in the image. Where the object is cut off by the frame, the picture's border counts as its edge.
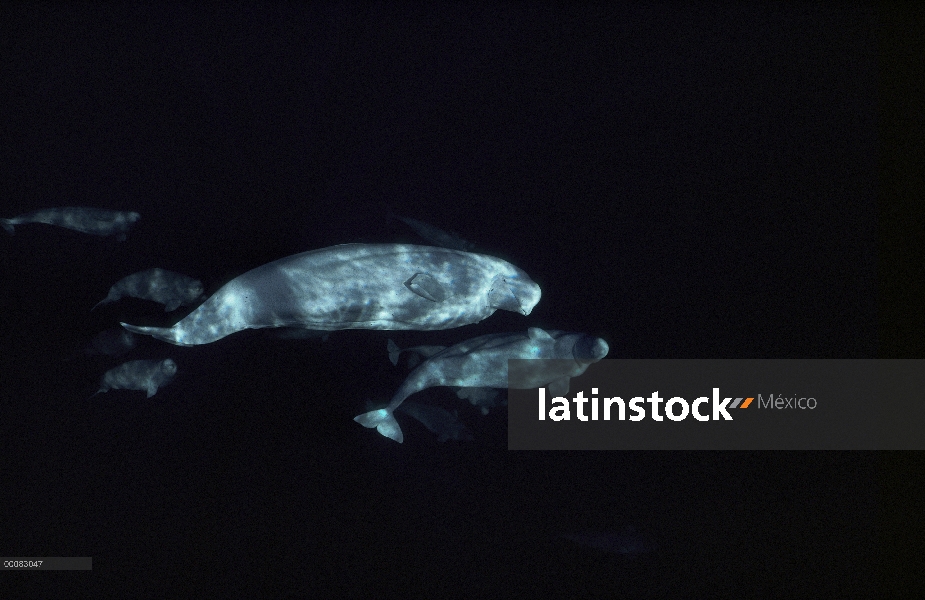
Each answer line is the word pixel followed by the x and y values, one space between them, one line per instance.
pixel 159 285
pixel 146 375
pixel 482 363
pixel 358 286
pixel 95 221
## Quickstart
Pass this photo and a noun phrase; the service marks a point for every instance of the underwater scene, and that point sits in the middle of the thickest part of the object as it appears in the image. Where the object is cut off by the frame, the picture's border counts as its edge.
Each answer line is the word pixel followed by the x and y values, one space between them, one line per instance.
pixel 263 265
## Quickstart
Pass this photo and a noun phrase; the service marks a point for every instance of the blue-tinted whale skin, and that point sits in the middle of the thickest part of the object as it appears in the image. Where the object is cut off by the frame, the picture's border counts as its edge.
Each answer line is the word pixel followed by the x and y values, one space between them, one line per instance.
pixel 482 362
pixel 95 221
pixel 358 286
pixel 159 285
pixel 146 375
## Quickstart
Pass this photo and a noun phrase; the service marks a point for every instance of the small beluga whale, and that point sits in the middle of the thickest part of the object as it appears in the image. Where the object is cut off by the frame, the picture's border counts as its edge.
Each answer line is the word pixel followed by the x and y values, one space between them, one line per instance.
pixel 95 221
pixel 358 286
pixel 159 285
pixel 482 363
pixel 115 341
pixel 147 375
pixel 435 235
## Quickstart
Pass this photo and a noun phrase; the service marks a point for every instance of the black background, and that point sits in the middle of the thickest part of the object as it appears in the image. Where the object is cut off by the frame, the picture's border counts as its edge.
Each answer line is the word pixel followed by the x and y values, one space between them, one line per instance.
pixel 685 182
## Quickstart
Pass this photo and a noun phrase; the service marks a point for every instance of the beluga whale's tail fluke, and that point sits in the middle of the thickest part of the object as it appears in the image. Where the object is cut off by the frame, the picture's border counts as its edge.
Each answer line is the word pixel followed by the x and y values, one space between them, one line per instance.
pixel 384 423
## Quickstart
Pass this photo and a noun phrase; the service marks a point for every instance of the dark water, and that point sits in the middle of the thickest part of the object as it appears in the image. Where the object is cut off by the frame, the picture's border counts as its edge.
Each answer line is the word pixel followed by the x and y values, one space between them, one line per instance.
pixel 684 182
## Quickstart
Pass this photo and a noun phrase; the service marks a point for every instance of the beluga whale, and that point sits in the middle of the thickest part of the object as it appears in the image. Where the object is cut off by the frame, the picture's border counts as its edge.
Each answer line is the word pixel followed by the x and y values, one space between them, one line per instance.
pixel 358 286
pixel 95 221
pixel 159 285
pixel 482 363
pixel 146 375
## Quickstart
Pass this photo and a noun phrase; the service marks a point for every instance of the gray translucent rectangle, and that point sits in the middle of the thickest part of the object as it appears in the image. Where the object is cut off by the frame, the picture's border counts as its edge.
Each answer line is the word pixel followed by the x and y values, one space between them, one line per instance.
pixel 47 563
pixel 795 405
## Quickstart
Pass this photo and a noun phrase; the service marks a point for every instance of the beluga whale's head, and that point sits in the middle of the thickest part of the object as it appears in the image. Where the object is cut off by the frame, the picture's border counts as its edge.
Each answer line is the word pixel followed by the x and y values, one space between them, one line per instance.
pixel 515 292
pixel 583 348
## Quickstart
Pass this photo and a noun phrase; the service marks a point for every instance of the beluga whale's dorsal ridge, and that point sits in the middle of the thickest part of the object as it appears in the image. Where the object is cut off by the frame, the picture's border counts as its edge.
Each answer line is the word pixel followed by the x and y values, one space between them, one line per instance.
pixel 359 286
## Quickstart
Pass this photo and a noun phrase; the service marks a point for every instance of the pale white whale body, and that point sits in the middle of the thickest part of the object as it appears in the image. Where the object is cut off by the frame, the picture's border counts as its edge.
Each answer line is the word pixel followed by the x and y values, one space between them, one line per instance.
pixel 482 362
pixel 147 375
pixel 159 285
pixel 359 286
pixel 95 221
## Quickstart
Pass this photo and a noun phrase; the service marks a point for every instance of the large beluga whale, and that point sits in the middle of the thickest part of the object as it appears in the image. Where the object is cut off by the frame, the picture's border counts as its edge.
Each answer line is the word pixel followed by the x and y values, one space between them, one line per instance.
pixel 358 286
pixel 482 363
pixel 146 375
pixel 95 221
pixel 159 285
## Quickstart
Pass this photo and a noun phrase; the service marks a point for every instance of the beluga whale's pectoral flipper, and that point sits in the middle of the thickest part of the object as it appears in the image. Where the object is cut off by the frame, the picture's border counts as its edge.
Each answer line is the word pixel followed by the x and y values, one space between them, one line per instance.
pixel 159 285
pixel 95 221
pixel 359 286
pixel 427 287
pixel 482 362
pixel 147 375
